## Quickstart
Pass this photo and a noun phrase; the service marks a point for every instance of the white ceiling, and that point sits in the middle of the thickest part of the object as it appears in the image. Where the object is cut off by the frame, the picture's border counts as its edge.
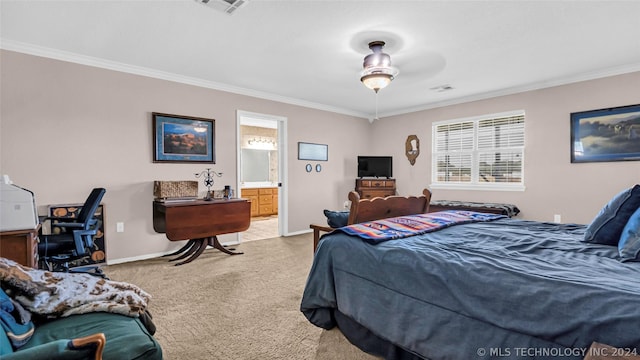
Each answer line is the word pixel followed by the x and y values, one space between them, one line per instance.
pixel 311 52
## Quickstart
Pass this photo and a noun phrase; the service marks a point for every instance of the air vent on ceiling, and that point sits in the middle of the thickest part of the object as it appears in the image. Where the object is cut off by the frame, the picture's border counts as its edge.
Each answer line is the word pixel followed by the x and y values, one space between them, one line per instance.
pixel 226 6
pixel 442 88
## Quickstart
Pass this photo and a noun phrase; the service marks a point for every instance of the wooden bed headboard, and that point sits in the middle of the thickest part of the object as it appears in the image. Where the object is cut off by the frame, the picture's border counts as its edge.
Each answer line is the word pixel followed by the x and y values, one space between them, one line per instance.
pixel 378 208
pixel 391 206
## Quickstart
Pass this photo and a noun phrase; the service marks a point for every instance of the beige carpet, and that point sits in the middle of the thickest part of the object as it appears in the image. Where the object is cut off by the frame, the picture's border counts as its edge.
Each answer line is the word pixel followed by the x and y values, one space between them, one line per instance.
pixel 236 307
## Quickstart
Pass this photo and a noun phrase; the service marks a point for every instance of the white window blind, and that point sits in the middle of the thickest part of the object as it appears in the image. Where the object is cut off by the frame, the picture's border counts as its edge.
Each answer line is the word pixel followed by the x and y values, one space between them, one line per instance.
pixel 454 151
pixel 482 152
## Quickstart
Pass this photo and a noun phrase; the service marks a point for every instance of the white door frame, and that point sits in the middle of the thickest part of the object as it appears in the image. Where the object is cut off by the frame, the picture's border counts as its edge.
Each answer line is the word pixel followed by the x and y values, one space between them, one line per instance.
pixel 283 192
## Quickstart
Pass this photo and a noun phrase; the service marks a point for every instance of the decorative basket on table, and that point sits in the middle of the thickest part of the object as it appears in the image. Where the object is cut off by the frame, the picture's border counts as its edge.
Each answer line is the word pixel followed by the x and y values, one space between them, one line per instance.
pixel 175 189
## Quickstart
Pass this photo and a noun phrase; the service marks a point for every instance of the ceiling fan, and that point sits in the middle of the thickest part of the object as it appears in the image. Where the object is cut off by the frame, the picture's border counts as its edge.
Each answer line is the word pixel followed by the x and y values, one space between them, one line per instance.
pixel 377 72
pixel 419 64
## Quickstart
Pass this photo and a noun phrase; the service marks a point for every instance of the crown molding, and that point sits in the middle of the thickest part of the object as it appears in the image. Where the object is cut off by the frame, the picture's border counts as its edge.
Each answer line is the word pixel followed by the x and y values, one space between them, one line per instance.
pixel 619 70
pixel 138 70
pixel 46 52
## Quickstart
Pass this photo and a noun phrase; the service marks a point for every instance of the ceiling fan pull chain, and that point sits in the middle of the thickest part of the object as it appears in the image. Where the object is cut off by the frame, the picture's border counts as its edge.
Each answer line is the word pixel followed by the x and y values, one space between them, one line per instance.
pixel 376 118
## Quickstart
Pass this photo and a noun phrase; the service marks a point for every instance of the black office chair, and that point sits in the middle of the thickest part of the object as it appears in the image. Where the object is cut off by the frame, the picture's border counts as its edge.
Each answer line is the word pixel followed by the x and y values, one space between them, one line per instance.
pixel 72 248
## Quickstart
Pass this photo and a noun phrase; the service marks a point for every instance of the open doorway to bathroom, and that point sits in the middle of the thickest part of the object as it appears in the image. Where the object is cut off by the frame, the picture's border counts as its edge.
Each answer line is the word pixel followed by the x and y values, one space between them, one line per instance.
pixel 261 168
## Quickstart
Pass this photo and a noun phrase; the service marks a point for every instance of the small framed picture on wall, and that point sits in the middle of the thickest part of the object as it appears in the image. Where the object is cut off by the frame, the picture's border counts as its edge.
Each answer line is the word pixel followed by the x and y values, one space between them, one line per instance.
pixel 315 152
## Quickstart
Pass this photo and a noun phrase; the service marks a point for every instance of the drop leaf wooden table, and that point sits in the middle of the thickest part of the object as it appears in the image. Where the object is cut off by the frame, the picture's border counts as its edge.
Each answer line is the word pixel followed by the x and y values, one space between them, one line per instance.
pixel 200 222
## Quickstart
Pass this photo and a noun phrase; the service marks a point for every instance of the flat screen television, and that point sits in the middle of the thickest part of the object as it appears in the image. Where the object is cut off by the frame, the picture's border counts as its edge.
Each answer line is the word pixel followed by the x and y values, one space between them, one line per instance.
pixel 375 166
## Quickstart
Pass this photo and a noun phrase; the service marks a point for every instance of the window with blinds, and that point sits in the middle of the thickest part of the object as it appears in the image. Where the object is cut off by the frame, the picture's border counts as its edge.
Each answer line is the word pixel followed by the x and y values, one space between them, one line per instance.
pixel 483 152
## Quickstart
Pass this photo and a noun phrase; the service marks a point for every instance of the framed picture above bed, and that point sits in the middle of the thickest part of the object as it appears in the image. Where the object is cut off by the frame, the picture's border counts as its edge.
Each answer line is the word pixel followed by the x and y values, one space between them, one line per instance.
pixel 611 134
pixel 183 139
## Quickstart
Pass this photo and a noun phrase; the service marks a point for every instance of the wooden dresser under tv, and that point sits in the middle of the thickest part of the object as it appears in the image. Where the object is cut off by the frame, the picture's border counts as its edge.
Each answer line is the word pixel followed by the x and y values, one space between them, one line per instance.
pixel 370 188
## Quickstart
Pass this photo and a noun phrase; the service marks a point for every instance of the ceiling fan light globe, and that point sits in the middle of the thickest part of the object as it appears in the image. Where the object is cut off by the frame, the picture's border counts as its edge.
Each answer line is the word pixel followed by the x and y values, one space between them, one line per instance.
pixel 376 81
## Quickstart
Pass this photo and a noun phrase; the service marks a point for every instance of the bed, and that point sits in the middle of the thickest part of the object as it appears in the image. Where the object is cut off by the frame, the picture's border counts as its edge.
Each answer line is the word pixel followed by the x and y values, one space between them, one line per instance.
pixel 496 288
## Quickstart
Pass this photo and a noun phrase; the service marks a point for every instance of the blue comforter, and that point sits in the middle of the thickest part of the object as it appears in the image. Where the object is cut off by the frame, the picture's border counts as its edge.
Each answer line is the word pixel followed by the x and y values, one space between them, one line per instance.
pixel 504 289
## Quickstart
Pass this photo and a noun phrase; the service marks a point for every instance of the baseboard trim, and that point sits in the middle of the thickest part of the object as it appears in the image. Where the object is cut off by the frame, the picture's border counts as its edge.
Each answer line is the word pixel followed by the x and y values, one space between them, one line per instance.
pixel 298 232
pixel 137 258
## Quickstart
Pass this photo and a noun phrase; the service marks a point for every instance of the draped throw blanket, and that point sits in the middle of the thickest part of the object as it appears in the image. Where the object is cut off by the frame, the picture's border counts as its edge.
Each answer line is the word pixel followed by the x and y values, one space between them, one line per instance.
pixel 378 231
pixel 56 294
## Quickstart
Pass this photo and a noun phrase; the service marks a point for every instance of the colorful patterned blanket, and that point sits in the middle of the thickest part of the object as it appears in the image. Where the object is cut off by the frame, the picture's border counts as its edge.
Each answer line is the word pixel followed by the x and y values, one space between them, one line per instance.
pixel 378 231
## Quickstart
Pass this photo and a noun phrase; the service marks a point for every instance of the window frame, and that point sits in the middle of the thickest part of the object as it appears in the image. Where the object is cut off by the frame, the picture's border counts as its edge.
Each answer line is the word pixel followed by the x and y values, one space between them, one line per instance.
pixel 474 184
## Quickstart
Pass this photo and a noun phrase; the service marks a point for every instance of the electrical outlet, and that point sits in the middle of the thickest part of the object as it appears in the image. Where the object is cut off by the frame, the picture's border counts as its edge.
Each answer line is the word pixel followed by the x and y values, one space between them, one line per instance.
pixel 557 218
pixel 120 227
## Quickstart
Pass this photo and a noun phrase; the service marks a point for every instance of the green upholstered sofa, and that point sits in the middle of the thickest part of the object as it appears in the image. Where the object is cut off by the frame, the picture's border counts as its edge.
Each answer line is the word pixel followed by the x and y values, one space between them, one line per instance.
pixel 126 338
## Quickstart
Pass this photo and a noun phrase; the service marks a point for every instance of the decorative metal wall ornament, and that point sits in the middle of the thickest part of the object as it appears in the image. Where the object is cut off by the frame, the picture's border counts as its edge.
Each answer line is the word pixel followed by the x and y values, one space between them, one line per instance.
pixel 412 148
pixel 208 180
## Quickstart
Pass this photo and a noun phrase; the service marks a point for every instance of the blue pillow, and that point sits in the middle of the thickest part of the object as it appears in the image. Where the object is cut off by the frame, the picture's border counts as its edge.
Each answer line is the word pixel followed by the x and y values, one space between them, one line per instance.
pixel 629 245
pixel 607 226
pixel 337 219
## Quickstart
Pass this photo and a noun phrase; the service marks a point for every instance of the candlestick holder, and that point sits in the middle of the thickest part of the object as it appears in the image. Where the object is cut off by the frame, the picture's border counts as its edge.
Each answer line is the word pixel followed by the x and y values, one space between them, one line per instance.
pixel 208 175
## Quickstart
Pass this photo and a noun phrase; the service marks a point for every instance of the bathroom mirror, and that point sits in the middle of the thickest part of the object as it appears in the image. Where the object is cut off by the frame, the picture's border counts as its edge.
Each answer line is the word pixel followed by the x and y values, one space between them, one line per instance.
pixel 256 165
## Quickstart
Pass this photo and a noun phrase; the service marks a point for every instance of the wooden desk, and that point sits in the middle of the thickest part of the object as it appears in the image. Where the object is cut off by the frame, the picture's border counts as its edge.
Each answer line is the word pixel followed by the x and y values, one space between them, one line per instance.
pixel 20 246
pixel 200 222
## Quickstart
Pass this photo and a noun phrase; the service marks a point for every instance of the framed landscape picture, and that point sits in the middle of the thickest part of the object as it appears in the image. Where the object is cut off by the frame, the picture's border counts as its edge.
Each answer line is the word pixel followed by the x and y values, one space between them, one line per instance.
pixel 184 139
pixel 611 134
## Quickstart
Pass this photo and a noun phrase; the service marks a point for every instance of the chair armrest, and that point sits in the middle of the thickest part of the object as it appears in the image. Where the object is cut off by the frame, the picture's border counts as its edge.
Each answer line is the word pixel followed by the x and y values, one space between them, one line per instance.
pixel 89 224
pixel 95 341
pixel 67 225
pixel 86 232
pixel 62 222
pixel 316 233
pixel 89 347
pixel 321 227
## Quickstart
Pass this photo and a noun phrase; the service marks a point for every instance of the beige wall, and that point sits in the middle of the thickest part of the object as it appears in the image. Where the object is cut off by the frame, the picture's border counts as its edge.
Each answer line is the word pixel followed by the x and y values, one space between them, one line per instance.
pixel 66 128
pixel 553 184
